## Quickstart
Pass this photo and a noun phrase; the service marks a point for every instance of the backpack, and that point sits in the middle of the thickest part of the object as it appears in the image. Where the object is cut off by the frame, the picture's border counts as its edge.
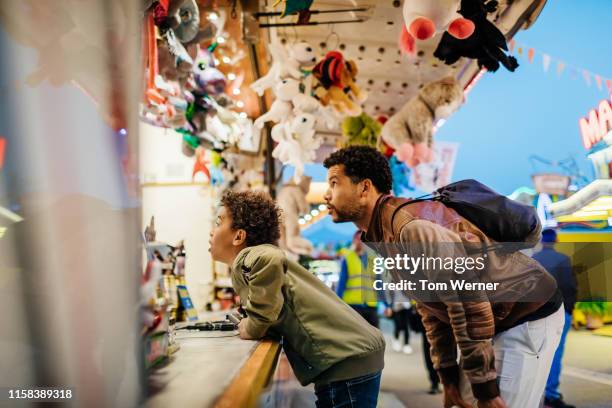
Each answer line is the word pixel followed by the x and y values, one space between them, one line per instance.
pixel 499 217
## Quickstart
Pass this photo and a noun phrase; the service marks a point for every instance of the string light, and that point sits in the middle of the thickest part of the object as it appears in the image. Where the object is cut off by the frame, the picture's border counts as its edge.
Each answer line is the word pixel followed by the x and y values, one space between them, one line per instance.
pixel 220 40
pixel 236 91
pixel 322 207
pixel 231 76
pixel 213 16
pixel 314 213
pixel 301 221
pixel 226 60
pixel 308 217
pixel 240 104
pixel 243 115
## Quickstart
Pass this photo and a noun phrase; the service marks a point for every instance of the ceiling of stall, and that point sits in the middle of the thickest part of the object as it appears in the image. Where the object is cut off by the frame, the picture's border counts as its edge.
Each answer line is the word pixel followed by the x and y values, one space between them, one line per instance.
pixel 389 77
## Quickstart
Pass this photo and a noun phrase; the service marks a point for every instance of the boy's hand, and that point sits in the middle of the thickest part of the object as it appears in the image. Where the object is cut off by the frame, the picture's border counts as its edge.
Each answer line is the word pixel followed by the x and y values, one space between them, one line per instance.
pixel 242 330
pixel 452 397
pixel 496 402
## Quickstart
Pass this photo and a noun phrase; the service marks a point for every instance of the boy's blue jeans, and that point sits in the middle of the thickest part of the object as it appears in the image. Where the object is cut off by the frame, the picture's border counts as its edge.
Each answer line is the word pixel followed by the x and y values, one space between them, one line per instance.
pixel 359 392
pixel 552 384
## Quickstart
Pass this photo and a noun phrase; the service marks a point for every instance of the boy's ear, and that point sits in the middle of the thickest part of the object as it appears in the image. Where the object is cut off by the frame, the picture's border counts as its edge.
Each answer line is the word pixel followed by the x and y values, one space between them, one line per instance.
pixel 239 238
pixel 366 186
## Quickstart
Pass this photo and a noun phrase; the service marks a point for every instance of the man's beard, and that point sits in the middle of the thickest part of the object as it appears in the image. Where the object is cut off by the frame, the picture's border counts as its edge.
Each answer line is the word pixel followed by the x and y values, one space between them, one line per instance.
pixel 348 214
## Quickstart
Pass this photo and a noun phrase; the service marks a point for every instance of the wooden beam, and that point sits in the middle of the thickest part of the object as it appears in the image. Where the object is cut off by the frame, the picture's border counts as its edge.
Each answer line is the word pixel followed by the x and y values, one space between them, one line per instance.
pixel 245 389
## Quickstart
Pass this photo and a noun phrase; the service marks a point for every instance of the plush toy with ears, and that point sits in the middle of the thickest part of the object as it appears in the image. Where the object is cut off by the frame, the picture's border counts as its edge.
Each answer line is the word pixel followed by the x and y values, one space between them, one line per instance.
pixel 292 201
pixel 285 65
pixel 337 84
pixel 487 45
pixel 423 19
pixel 296 142
pixel 282 107
pixel 410 131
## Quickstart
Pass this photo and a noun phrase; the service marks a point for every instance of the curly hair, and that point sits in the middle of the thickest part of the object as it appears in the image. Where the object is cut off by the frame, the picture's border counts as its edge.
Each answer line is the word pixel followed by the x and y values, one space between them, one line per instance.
pixel 363 162
pixel 256 213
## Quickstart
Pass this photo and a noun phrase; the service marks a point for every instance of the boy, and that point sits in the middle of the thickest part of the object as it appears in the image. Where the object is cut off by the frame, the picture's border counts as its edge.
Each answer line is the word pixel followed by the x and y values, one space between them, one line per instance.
pixel 327 343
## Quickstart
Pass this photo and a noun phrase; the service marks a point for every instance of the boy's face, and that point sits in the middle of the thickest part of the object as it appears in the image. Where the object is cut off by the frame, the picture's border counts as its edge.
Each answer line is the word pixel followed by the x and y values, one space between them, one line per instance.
pixel 224 240
pixel 343 197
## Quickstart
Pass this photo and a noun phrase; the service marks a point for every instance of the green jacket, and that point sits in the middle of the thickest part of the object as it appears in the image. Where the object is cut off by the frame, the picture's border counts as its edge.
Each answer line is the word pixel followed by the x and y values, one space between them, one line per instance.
pixel 324 339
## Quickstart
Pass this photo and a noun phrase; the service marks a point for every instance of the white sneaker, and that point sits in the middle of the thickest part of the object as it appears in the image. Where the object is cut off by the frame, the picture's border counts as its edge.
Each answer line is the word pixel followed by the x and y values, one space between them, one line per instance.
pixel 407 349
pixel 396 345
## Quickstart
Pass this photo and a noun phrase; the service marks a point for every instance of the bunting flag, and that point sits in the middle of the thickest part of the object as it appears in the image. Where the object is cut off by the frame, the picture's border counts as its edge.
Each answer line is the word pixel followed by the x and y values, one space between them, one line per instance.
pixel 574 72
pixel 598 81
pixel 546 62
pixel 531 54
pixel 587 77
pixel 560 67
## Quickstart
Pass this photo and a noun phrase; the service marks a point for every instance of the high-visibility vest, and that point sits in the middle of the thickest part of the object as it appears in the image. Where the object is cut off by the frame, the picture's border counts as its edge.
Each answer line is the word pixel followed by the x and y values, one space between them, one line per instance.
pixel 360 283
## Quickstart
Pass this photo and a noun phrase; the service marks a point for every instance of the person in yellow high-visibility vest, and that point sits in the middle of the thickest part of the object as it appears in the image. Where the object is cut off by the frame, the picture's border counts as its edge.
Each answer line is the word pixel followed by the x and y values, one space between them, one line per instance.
pixel 356 283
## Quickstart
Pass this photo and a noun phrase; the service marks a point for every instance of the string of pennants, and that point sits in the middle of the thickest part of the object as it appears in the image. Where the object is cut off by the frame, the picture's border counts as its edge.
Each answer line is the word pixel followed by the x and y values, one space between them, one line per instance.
pixel 602 83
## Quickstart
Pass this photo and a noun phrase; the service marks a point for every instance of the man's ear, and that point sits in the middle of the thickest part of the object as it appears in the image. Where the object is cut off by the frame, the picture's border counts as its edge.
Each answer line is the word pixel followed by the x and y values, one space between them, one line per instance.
pixel 239 237
pixel 366 186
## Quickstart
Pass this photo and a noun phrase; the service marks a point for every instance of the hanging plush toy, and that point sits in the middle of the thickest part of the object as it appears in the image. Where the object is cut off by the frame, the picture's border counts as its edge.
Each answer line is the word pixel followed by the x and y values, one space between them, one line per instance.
pixel 337 84
pixel 285 65
pixel 361 130
pixel 487 45
pixel 292 201
pixel 296 143
pixel 423 19
pixel 282 107
pixel 410 131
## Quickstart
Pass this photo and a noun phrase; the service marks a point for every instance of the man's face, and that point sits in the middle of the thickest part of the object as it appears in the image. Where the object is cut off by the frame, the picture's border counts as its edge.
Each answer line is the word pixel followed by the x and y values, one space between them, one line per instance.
pixel 343 197
pixel 222 237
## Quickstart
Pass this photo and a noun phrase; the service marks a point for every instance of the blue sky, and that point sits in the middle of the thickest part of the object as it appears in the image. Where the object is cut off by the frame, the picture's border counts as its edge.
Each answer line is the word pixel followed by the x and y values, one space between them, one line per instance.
pixel 510 116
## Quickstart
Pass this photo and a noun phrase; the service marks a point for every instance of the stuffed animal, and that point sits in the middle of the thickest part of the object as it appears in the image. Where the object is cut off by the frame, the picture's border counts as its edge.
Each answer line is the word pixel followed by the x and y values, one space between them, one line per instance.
pixel 292 201
pixel 423 19
pixel 285 65
pixel 486 45
pixel 410 131
pixel 282 107
pixel 303 103
pixel 296 143
pixel 337 84
pixel 361 130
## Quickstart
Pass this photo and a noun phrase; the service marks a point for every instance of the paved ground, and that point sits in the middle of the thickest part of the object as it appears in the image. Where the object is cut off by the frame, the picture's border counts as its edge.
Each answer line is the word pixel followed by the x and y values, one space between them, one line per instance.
pixel 586 379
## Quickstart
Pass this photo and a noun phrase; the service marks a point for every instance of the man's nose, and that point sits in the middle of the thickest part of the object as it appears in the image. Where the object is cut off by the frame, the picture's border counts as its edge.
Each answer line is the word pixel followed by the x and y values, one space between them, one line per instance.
pixel 327 195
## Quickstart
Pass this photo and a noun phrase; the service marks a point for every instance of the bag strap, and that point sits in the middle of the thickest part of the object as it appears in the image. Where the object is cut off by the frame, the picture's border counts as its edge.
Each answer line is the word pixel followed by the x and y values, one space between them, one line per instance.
pixel 426 197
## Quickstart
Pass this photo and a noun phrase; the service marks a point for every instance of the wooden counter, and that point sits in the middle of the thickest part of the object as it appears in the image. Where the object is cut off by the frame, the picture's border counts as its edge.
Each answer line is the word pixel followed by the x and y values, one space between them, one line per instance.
pixel 213 369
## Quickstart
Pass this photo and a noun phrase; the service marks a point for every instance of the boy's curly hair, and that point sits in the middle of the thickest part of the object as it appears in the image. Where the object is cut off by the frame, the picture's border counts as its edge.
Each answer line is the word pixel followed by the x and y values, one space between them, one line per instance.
pixel 256 213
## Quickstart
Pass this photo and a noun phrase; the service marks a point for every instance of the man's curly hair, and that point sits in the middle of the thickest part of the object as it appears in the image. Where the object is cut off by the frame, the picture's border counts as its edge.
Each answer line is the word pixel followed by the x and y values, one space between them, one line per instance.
pixel 256 213
pixel 363 162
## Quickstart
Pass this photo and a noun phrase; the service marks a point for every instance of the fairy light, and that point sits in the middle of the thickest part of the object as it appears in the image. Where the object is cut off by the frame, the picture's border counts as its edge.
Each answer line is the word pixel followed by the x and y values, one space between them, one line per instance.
pixel 240 104
pixel 308 217
pixel 301 221
pixel 236 91
pixel 322 207
pixel 231 76
pixel 226 60
pixel 314 213
pixel 220 40
pixel 243 115
pixel 213 16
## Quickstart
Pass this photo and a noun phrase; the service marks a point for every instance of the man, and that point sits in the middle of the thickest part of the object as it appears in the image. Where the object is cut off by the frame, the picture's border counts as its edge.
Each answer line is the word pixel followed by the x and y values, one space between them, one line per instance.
pixel 525 334
pixel 356 283
pixel 327 343
pixel 560 267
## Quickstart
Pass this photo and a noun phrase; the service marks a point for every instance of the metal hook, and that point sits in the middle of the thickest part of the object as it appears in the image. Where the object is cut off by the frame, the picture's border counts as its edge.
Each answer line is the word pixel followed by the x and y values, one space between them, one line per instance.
pixel 332 33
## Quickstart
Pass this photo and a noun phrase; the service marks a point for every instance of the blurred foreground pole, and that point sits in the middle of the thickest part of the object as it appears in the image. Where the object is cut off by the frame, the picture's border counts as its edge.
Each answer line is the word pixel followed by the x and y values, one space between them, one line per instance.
pixel 69 212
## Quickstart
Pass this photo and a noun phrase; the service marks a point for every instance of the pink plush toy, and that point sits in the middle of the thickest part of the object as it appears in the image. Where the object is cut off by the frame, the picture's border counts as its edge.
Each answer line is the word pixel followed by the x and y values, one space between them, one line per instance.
pixel 423 19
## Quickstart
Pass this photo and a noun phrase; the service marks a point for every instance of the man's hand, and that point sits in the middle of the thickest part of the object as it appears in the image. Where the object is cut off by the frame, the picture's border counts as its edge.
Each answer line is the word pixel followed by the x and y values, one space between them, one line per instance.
pixel 496 402
pixel 242 330
pixel 452 397
pixel 388 312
